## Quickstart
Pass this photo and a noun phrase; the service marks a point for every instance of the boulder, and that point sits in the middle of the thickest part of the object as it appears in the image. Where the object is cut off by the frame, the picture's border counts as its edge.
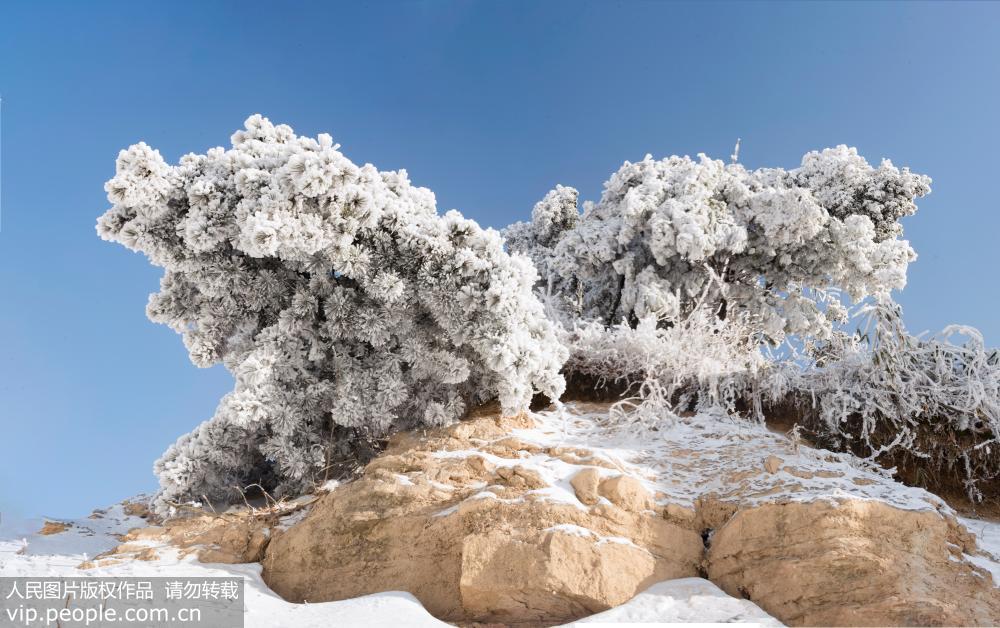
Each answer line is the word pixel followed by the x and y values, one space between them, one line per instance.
pixel 853 563
pixel 53 527
pixel 585 485
pixel 473 529
pixel 626 492
pixel 772 464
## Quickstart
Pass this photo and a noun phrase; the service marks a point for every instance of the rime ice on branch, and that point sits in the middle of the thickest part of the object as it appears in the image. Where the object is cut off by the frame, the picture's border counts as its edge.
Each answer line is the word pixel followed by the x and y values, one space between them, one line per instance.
pixel 778 246
pixel 339 299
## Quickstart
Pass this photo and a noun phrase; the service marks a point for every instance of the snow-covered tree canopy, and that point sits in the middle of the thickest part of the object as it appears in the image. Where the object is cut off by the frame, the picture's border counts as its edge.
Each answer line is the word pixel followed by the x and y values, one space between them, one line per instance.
pixel 334 293
pixel 345 306
pixel 778 246
pixel 669 284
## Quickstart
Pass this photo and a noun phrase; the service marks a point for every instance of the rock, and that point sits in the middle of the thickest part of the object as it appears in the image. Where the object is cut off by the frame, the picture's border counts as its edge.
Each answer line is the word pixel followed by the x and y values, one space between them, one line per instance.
pixel 626 492
pixel 232 544
pixel 680 513
pixel 478 540
pixel 521 478
pixel 853 563
pixel 53 527
pixel 585 483
pixel 562 574
pixel 508 521
pixel 712 512
pixel 224 538
pixel 128 550
pixel 772 464
pixel 137 509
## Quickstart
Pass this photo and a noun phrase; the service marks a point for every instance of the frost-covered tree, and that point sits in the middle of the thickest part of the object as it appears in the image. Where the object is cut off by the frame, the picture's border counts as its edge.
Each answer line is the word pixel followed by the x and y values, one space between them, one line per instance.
pixel 339 299
pixel 551 218
pixel 779 246
pixel 677 281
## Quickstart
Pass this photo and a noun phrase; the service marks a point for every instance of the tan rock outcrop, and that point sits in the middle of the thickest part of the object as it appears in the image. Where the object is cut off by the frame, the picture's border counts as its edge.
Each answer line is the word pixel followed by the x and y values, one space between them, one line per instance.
pixel 854 563
pixel 239 536
pixel 53 527
pixel 513 521
pixel 478 536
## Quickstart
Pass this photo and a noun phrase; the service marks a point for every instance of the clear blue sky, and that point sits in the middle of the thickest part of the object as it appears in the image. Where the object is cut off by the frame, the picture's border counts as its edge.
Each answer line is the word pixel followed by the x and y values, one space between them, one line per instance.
pixel 488 104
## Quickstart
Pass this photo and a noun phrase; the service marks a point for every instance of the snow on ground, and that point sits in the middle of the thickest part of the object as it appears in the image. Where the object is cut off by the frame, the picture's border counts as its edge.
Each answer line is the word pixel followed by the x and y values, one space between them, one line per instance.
pixel 86 537
pixel 700 455
pixel 988 538
pixel 683 600
pixel 711 454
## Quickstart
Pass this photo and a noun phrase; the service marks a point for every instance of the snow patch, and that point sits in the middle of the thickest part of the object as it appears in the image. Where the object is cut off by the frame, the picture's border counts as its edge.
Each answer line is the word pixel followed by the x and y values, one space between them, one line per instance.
pixel 683 600
pixel 988 539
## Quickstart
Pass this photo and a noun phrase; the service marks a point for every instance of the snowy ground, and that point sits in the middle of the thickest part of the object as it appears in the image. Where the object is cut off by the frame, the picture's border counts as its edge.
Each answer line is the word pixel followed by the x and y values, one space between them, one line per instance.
pixel 988 537
pixel 685 600
pixel 678 462
pixel 696 456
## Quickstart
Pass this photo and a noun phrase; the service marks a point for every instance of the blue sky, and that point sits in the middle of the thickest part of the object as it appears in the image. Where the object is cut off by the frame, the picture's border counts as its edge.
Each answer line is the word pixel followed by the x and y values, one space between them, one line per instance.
pixel 488 104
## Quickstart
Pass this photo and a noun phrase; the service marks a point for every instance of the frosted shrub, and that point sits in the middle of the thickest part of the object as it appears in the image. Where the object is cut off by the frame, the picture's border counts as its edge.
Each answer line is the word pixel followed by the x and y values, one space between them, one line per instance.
pixel 341 302
pixel 702 360
pixel 686 271
pixel 886 392
pixel 551 217
pixel 778 246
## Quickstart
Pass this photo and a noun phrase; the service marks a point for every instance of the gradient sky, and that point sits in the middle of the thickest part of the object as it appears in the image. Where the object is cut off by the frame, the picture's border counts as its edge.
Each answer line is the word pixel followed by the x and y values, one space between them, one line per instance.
pixel 488 104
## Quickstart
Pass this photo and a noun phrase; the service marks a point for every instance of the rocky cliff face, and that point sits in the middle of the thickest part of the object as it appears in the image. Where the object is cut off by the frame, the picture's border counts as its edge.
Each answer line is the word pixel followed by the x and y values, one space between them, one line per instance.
pixel 546 518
